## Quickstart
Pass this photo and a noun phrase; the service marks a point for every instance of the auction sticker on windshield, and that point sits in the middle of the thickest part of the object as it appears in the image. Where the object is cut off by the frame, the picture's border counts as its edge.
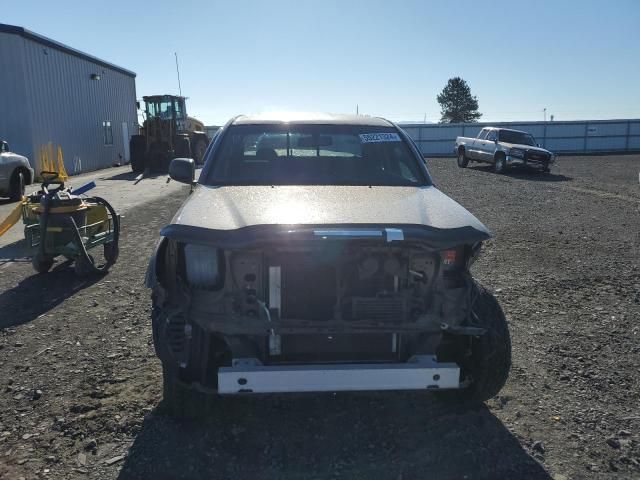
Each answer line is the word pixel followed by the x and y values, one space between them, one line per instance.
pixel 379 137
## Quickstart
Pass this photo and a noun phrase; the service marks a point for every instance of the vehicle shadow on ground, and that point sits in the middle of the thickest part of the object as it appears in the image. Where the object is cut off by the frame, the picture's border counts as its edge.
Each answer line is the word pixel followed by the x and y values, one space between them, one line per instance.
pixel 352 435
pixel 526 174
pixel 133 175
pixel 37 294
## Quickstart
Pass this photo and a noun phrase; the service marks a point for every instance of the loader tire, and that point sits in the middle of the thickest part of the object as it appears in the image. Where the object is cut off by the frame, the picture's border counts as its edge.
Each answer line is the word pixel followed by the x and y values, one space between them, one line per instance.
pixel 183 148
pixel 137 150
pixel 199 147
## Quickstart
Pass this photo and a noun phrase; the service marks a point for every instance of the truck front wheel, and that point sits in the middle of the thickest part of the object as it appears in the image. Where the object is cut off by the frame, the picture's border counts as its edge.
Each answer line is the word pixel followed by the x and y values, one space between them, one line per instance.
pixel 500 163
pixel 182 401
pixel 486 361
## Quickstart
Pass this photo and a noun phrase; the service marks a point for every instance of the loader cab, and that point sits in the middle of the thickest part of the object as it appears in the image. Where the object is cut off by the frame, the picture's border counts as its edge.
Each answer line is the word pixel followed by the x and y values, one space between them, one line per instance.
pixel 165 107
pixel 165 118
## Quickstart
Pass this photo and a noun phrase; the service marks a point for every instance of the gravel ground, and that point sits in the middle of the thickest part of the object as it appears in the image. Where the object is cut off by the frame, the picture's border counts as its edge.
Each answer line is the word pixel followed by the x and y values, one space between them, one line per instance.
pixel 80 387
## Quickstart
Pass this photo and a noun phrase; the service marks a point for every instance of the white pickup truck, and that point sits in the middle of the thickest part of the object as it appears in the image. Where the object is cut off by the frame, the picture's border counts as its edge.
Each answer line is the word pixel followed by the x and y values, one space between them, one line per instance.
pixel 503 148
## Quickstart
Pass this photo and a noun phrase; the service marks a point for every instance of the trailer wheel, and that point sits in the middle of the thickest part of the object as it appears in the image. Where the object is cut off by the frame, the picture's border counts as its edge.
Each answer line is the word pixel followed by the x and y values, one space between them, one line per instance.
pixel 111 252
pixel 82 267
pixel 485 366
pixel 42 264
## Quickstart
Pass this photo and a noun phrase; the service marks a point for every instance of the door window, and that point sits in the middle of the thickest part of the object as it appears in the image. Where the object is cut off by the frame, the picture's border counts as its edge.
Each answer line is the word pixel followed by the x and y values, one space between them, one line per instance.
pixel 492 136
pixel 482 134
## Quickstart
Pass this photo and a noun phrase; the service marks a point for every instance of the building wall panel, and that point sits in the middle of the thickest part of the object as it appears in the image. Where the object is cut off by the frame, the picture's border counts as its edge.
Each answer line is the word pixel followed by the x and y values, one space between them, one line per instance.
pixel 67 107
pixel 48 90
pixel 14 121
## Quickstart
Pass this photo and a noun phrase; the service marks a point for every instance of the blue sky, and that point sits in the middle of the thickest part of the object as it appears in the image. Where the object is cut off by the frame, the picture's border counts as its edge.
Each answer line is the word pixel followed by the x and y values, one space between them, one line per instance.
pixel 579 59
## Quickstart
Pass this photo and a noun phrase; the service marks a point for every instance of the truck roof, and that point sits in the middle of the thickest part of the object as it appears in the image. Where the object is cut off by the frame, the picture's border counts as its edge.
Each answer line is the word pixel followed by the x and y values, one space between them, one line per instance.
pixel 507 129
pixel 311 118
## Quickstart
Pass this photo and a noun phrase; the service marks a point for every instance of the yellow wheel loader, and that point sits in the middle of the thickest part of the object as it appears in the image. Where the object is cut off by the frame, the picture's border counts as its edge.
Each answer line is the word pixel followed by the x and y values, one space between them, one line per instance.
pixel 167 133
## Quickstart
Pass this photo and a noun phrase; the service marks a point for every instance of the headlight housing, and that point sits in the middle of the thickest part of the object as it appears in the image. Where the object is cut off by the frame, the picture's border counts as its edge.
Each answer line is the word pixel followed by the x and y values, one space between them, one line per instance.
pixel 516 152
pixel 203 266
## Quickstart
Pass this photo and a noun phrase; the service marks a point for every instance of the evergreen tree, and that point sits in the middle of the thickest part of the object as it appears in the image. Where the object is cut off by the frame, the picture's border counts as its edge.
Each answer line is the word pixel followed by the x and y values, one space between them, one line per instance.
pixel 457 103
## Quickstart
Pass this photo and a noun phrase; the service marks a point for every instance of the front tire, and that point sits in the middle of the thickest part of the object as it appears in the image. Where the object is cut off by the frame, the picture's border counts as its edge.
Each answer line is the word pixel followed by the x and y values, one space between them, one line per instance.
pixel 17 186
pixel 463 161
pixel 487 366
pixel 500 164
pixel 183 402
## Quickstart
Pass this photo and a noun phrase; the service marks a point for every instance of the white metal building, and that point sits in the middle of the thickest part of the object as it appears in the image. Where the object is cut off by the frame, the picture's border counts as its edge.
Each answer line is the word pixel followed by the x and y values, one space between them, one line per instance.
pixel 51 93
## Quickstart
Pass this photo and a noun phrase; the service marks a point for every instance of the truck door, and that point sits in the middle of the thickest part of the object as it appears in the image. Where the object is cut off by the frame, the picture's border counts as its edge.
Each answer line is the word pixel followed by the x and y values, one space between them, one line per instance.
pixel 489 146
pixel 475 150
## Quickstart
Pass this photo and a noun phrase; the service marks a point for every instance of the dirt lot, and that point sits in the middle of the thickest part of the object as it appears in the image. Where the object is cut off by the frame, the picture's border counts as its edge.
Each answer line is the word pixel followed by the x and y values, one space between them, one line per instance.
pixel 80 387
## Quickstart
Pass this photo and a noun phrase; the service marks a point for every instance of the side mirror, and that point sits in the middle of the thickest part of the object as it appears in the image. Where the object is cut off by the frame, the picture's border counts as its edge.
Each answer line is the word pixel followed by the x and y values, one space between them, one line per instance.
pixel 538 145
pixel 182 170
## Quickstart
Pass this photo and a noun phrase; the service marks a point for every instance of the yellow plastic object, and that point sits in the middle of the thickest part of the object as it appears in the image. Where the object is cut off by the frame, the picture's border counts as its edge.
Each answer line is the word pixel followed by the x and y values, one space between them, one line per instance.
pixel 12 219
pixel 62 172
pixel 97 216
pixel 72 209
pixel 48 164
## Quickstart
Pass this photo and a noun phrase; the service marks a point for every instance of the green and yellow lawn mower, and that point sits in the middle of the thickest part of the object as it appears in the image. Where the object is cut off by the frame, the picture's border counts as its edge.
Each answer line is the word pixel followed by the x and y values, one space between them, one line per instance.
pixel 61 222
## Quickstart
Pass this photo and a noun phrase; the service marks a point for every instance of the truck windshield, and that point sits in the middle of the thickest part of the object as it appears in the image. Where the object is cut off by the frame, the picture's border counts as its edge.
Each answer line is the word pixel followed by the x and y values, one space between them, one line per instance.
pixel 513 136
pixel 303 154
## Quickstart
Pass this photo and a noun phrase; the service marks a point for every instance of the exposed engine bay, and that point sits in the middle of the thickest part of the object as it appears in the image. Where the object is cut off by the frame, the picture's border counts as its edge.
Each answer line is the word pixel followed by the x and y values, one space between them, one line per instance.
pixel 322 303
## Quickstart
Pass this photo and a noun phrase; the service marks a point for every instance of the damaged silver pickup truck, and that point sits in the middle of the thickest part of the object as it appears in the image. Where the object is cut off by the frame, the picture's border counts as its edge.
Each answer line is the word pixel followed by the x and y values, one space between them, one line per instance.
pixel 315 254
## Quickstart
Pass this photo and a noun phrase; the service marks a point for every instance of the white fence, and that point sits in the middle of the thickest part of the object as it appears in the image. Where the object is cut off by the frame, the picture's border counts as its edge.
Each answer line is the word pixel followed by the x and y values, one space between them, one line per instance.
pixel 575 137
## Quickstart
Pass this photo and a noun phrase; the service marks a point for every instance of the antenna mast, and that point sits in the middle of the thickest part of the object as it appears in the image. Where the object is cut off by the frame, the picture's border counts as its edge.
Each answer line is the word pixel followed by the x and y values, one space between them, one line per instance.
pixel 178 70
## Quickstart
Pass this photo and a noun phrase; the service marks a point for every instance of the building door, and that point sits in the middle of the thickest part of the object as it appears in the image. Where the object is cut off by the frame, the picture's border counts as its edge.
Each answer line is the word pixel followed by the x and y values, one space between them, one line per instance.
pixel 125 141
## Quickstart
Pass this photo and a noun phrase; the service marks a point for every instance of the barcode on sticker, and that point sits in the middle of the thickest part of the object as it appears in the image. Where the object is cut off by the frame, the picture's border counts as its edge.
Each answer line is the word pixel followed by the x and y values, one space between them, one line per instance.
pixel 379 137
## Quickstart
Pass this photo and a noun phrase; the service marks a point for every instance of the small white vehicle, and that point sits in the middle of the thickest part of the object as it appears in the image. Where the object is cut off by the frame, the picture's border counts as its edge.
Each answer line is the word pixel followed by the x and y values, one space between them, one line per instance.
pixel 503 148
pixel 15 173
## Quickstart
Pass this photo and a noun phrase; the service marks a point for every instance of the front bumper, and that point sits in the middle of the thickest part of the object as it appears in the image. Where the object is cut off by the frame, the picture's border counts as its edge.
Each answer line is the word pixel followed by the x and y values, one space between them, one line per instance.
pixel 520 161
pixel 419 373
